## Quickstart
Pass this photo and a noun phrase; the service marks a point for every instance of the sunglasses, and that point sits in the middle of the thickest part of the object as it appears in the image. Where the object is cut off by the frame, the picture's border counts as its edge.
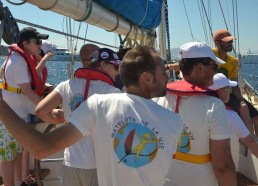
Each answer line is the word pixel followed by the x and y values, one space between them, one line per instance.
pixel 214 66
pixel 37 41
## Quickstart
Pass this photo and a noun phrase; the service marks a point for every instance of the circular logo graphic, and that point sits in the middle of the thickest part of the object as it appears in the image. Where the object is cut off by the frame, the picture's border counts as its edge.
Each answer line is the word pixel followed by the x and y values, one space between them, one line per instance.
pixel 135 145
pixel 184 142
pixel 75 103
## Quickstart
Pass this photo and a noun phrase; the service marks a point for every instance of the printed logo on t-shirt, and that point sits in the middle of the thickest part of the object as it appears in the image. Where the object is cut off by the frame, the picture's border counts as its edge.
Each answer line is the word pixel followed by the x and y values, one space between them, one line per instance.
pixel 184 141
pixel 75 102
pixel 135 144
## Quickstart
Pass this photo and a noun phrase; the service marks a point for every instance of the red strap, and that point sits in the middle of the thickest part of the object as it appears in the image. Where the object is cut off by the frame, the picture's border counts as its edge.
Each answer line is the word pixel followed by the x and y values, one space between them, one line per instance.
pixel 86 89
pixel 177 103
pixel 8 57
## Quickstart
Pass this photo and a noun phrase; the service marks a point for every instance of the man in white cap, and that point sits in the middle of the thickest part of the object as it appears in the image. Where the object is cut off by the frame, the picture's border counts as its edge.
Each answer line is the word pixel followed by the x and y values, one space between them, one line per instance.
pixel 222 86
pixel 203 155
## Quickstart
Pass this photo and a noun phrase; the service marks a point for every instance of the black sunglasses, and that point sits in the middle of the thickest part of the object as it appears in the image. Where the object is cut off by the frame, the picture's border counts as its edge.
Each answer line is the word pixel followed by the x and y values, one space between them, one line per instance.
pixel 37 41
pixel 214 66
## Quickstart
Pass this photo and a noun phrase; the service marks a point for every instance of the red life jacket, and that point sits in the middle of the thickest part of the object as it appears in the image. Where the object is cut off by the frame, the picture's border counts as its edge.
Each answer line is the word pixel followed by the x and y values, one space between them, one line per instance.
pixel 92 74
pixel 184 88
pixel 37 83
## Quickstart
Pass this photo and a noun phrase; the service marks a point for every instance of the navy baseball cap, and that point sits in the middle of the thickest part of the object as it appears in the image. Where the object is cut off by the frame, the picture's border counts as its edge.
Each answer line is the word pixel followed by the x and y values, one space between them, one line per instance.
pixel 105 54
pixel 29 33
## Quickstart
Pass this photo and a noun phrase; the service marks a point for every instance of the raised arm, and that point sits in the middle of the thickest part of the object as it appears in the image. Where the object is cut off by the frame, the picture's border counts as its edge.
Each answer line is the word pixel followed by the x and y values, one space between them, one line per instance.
pixel 42 61
pixel 222 162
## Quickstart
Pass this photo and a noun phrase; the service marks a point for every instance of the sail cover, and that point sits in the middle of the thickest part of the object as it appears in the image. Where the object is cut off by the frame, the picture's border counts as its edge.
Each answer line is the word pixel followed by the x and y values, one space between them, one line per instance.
pixel 145 13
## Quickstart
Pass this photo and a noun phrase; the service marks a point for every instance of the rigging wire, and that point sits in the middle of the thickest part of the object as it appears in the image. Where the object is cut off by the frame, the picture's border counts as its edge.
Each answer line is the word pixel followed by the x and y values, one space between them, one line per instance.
pixel 207 17
pixel 234 24
pixel 209 11
pixel 188 20
pixel 203 22
pixel 230 26
pixel 13 3
pixel 237 28
pixel 223 15
pixel 86 31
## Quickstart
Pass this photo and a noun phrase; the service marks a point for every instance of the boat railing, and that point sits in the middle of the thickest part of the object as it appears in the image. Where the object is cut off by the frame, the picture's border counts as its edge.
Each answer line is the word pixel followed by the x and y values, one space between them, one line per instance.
pixel 250 90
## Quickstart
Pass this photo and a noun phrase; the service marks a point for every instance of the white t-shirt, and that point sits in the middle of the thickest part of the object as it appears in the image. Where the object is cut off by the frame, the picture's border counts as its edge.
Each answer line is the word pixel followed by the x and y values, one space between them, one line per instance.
pixel 204 118
pixel 16 72
pixel 81 154
pixel 237 127
pixel 134 138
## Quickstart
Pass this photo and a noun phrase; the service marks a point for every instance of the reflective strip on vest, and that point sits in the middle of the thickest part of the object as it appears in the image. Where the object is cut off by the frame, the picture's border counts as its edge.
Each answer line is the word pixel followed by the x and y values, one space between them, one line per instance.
pixel 192 158
pixel 11 89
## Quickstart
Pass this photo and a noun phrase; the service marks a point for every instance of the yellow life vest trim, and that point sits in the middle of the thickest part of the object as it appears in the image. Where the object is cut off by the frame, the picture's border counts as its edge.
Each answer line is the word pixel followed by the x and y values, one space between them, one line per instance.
pixel 192 158
pixel 11 89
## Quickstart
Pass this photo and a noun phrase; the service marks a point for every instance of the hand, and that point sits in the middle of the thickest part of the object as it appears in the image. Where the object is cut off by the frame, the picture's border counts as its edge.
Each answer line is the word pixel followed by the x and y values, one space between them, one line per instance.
pixel 243 110
pixel 59 113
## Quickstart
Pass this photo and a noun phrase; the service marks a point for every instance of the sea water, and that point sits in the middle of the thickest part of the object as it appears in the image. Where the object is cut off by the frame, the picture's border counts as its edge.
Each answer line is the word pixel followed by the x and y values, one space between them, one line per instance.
pixel 57 71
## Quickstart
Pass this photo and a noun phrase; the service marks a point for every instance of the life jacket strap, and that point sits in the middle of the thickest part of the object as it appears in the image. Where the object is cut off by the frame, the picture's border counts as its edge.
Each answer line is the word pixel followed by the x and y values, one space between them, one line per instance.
pixel 199 159
pixel 11 89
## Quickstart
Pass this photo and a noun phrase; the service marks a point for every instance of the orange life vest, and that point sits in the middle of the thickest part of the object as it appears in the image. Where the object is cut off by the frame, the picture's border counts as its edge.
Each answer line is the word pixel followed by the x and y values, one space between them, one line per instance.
pixel 37 83
pixel 92 74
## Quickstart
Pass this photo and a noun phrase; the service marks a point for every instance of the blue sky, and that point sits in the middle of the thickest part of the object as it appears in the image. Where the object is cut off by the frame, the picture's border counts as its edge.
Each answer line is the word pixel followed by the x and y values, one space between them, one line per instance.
pixel 179 29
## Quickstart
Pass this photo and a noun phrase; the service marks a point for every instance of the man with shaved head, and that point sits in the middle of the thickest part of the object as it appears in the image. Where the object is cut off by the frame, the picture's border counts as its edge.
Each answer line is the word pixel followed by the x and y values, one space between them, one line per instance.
pixel 85 53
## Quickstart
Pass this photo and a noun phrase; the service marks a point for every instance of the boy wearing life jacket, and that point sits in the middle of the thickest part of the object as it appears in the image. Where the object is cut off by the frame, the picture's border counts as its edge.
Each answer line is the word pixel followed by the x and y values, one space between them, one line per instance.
pixel 203 155
pixel 22 88
pixel 222 86
pixel 133 136
pixel 79 166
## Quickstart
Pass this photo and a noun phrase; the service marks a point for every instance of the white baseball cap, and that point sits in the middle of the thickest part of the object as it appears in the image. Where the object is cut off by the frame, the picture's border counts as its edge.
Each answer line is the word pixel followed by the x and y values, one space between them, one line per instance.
pixel 221 81
pixel 46 46
pixel 198 50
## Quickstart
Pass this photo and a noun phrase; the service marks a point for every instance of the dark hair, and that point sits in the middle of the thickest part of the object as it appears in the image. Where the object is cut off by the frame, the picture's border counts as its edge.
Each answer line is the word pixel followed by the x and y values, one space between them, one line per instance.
pixel 135 62
pixel 186 65
pixel 122 51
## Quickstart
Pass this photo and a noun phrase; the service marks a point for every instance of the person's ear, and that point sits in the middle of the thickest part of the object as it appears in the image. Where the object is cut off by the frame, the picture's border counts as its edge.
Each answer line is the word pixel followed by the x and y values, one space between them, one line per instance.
pixel 147 78
pixel 103 64
pixel 199 68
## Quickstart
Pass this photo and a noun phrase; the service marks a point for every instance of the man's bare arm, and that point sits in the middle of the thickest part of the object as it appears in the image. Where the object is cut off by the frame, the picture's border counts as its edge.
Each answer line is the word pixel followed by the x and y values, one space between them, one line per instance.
pixel 38 144
pixel 46 108
pixel 222 162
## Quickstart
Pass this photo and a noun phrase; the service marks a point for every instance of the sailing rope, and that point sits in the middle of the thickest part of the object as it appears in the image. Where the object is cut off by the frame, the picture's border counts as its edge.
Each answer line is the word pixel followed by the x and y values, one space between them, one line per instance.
pixel 167 30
